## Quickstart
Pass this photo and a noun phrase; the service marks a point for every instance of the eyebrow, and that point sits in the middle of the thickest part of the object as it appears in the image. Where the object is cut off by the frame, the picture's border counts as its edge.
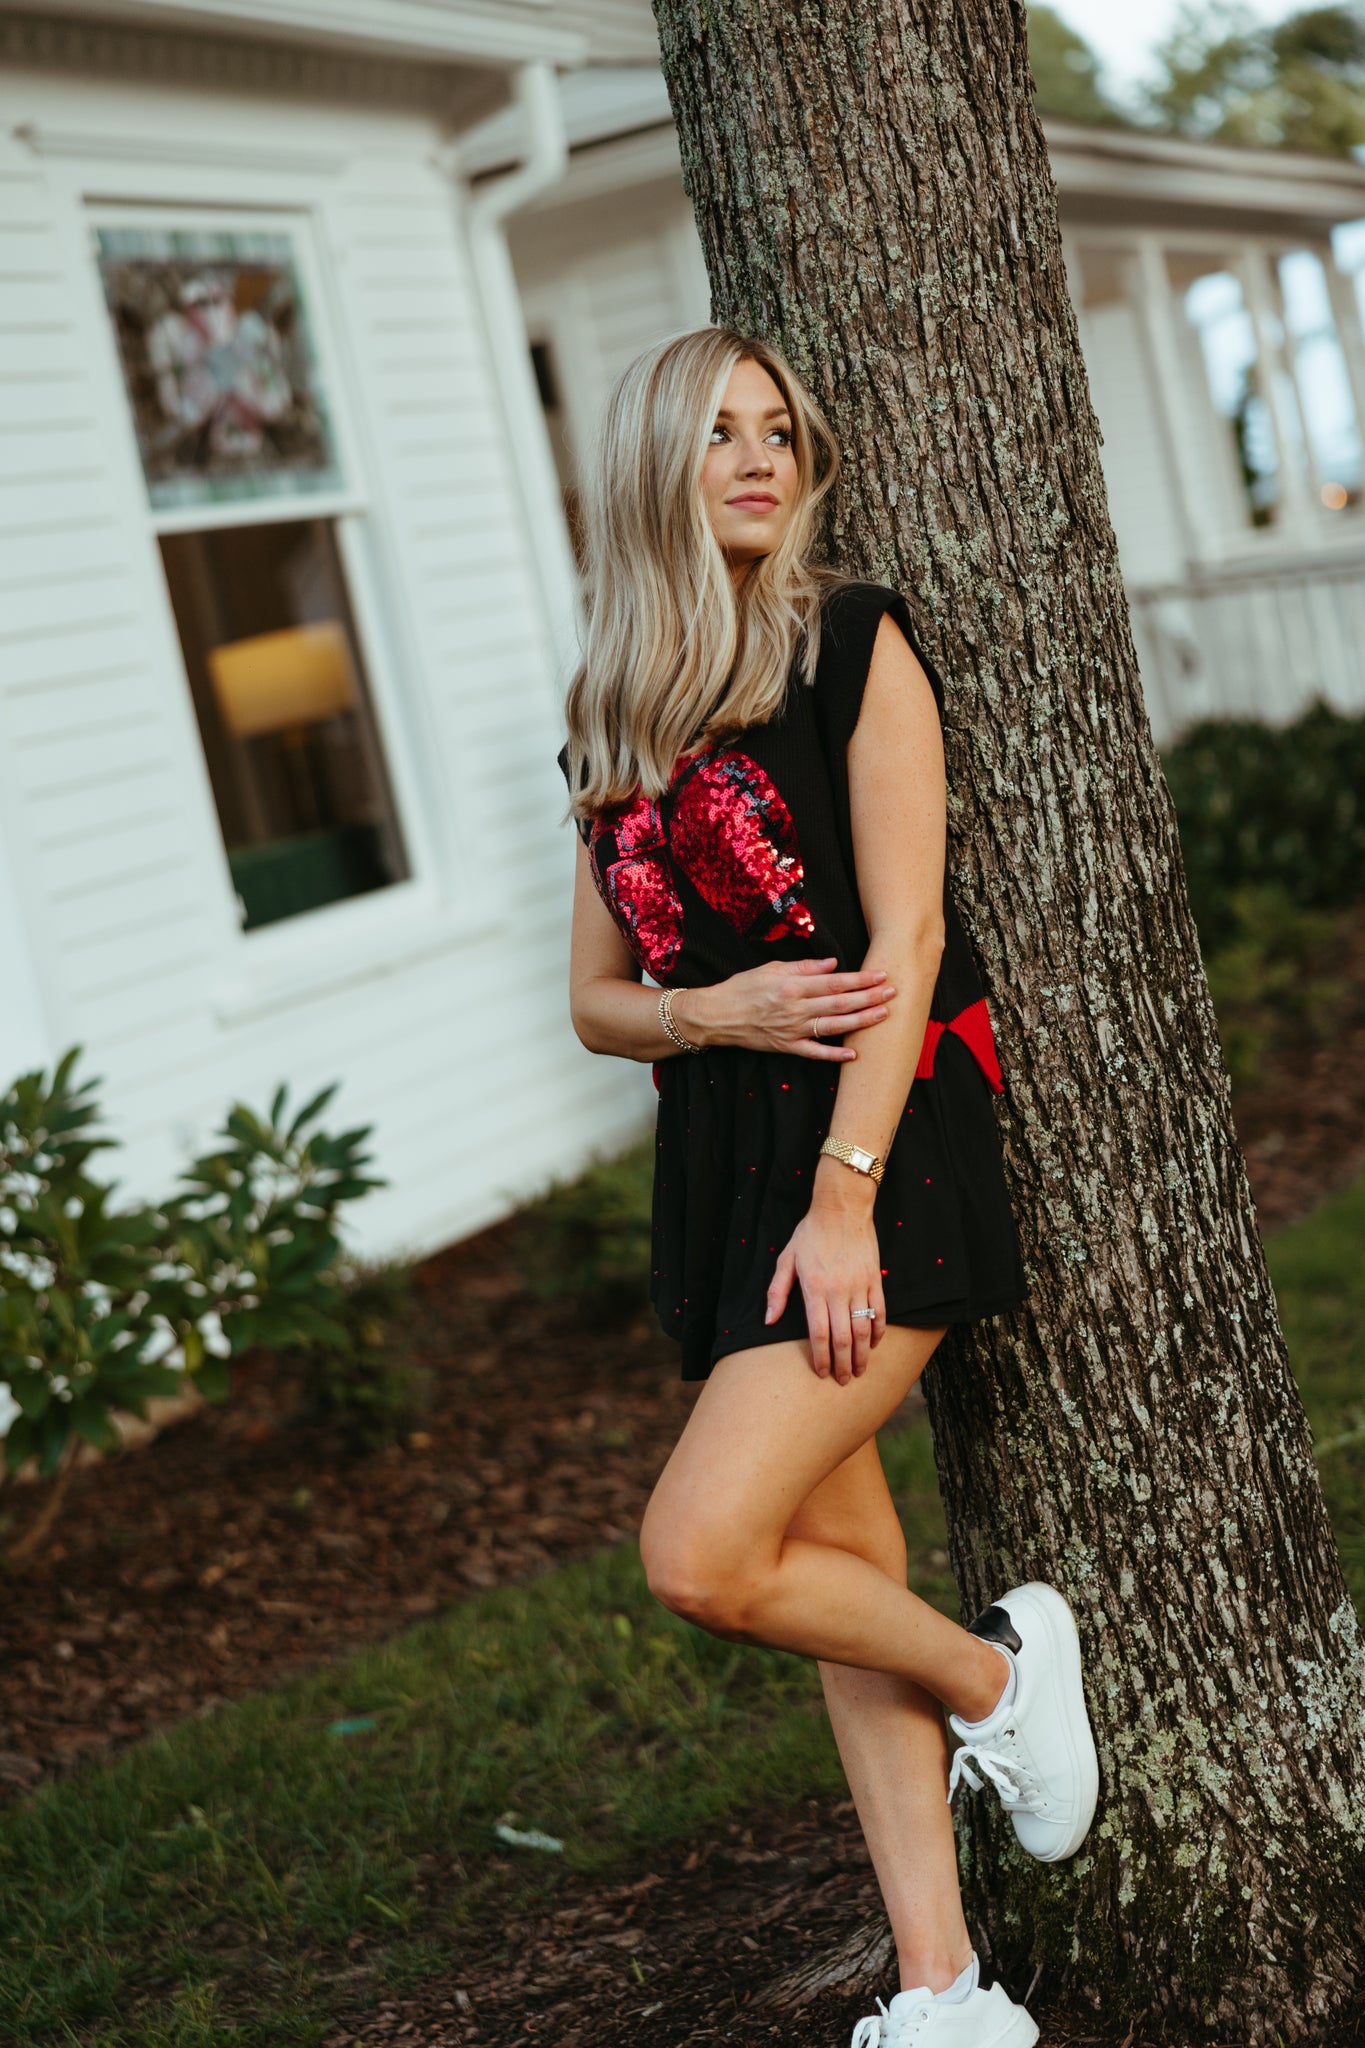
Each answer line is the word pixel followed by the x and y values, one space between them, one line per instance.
pixel 774 412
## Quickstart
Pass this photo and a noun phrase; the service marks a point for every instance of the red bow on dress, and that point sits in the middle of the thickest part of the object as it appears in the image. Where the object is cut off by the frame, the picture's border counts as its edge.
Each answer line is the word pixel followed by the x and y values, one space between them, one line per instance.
pixel 973 1027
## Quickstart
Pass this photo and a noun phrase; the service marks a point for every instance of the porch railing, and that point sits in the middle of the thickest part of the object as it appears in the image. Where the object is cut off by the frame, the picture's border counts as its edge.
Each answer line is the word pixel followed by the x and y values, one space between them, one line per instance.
pixel 1257 641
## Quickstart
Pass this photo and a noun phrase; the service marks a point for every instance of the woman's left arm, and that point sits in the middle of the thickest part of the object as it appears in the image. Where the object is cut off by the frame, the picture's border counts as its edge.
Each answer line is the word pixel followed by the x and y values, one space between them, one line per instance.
pixel 898 803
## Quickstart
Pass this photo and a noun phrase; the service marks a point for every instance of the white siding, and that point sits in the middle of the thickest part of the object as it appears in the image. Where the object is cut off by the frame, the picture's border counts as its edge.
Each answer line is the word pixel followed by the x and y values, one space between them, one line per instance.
pixel 440 1005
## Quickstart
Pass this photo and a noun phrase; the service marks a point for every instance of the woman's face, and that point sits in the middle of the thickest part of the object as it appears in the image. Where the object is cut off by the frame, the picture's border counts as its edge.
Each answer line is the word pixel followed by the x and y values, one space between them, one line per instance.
pixel 748 477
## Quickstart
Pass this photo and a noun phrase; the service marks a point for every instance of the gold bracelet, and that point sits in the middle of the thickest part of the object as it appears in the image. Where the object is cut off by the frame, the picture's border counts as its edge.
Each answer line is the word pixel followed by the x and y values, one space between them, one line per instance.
pixel 666 1019
pixel 854 1156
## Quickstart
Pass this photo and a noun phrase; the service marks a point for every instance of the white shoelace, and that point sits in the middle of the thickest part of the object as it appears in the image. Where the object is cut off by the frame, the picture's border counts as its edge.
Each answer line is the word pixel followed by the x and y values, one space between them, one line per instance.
pixel 879 2030
pixel 1019 1790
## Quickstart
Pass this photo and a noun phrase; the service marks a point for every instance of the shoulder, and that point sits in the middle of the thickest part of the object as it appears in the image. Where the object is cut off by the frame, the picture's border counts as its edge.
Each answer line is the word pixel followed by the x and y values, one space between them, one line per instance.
pixel 852 614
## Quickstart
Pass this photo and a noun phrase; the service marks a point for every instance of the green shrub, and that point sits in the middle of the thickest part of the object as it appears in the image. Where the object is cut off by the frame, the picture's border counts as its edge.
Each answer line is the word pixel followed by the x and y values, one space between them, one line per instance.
pixel 367 1384
pixel 587 1241
pixel 1265 981
pixel 1259 804
pixel 105 1305
pixel 1272 831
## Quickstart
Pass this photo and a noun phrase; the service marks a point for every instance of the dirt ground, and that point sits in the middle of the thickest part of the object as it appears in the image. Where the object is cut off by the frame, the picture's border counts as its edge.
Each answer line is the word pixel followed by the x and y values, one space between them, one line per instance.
pixel 694 1954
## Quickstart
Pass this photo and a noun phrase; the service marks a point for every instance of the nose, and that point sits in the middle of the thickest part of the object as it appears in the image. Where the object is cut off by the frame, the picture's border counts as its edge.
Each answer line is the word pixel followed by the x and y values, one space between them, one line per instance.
pixel 758 459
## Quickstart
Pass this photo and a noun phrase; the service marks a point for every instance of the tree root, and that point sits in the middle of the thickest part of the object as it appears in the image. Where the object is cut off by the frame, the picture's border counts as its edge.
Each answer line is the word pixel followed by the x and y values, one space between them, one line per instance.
pixel 863 1958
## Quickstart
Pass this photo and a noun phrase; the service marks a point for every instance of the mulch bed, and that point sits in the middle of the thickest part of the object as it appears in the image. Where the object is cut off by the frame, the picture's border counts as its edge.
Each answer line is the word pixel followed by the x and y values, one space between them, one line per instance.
pixel 238 1549
pixel 691 1953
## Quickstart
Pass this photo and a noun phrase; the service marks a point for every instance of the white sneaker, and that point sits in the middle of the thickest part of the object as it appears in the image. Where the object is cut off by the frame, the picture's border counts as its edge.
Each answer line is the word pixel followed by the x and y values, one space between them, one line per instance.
pixel 1038 1751
pixel 916 2019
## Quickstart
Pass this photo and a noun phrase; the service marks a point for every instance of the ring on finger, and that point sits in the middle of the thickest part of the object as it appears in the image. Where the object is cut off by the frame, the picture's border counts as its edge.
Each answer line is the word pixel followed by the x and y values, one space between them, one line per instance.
pixel 855 1313
pixel 815 1028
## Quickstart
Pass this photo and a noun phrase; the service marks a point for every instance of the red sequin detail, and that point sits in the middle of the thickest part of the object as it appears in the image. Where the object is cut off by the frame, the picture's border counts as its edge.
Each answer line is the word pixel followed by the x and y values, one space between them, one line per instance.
pixel 735 840
pixel 637 887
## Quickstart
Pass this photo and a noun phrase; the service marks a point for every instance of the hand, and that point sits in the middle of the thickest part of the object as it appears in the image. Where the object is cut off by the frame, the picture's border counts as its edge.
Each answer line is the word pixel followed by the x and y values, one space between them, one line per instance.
pixel 833 1252
pixel 774 1007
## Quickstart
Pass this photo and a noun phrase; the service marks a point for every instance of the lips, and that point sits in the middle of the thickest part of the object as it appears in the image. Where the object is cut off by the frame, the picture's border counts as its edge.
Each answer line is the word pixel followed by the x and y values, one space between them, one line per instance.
pixel 754 500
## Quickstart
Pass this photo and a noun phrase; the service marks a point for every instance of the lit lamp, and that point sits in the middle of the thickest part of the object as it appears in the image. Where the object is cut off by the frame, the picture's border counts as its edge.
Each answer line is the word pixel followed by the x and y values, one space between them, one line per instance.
pixel 285 683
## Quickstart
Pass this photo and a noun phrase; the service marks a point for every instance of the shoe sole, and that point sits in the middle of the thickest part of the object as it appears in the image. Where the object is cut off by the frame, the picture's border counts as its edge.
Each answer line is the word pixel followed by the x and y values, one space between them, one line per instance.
pixel 1059 1625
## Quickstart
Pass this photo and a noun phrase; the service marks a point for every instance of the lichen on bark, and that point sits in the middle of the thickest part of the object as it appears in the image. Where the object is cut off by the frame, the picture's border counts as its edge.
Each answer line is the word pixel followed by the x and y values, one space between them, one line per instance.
pixel 872 191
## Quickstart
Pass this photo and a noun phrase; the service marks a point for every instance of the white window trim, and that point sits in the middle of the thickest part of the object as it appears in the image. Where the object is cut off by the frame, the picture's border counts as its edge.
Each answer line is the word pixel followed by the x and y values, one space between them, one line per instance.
pixel 445 901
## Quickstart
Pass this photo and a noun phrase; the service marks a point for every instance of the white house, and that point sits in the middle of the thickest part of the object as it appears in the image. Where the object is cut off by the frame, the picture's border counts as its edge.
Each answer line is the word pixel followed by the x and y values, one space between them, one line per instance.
pixel 286 592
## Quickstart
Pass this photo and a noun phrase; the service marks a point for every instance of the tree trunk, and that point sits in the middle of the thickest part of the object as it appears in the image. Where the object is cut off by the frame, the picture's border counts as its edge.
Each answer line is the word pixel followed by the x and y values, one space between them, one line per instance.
pixel 872 191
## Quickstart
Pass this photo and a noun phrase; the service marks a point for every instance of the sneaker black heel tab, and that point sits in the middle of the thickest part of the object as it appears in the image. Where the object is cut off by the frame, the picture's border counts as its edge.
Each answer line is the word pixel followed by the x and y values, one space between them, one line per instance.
pixel 995 1626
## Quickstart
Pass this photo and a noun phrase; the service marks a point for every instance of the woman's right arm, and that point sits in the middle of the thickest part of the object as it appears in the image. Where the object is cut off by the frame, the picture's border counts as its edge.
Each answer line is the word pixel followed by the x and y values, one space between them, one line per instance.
pixel 771 1008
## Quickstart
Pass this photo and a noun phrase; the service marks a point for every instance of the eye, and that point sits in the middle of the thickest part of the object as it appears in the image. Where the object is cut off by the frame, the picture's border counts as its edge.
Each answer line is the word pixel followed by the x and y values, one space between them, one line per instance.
pixel 717 431
pixel 783 436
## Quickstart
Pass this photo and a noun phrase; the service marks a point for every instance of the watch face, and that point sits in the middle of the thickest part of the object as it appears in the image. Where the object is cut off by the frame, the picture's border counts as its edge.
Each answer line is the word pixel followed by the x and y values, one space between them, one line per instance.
pixel 862 1160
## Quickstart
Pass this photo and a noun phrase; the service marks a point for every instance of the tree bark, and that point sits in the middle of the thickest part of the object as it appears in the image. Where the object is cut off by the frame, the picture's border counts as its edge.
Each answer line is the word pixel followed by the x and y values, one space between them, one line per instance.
pixel 872 191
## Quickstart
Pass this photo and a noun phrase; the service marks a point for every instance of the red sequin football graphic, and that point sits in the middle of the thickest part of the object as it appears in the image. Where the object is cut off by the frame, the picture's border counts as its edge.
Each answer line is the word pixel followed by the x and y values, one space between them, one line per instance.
pixel 733 837
pixel 637 887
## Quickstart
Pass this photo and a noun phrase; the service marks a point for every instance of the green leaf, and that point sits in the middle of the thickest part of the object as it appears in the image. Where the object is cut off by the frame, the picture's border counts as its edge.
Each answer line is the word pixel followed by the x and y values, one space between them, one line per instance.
pixel 311 1110
pixel 214 1379
pixel 90 1420
pixel 33 1393
pixel 20 1443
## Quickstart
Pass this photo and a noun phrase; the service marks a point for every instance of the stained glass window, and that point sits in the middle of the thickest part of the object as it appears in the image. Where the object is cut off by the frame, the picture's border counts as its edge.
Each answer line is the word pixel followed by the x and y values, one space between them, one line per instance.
pixel 218 359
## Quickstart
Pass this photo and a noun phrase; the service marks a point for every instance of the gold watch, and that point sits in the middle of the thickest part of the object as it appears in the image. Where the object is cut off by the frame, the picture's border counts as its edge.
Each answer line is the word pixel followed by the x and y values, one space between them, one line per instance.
pixel 854 1156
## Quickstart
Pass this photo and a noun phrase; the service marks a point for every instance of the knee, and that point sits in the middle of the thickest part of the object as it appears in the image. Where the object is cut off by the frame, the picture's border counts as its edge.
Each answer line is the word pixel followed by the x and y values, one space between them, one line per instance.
pixel 701 1583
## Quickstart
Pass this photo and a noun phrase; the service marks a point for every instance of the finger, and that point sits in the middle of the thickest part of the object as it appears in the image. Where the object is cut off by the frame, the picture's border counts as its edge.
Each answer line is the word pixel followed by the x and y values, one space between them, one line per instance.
pixel 816 1049
pixel 862 998
pixel 780 1286
pixel 862 1327
pixel 814 966
pixel 817 1322
pixel 840 1342
pixel 854 978
pixel 839 1021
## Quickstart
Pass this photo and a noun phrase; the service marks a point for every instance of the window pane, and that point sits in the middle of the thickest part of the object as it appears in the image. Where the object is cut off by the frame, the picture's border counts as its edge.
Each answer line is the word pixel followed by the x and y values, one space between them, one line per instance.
pixel 217 355
pixel 279 689
pixel 1323 386
pixel 1234 378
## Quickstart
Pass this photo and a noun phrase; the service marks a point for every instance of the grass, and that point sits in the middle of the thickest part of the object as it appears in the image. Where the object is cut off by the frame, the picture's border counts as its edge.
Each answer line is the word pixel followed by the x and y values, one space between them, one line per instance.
pixel 203 1887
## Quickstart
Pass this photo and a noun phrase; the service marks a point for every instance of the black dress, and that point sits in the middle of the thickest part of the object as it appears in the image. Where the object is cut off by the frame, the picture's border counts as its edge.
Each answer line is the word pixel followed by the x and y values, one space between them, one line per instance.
pixel 749 857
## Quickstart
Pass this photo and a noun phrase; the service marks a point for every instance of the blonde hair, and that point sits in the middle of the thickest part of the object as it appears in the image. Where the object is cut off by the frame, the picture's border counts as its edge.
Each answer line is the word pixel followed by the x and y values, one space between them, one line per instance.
pixel 672 652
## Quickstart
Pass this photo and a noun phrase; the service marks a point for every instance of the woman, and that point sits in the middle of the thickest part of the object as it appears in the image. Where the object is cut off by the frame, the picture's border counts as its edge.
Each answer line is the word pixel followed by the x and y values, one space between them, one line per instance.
pixel 756 769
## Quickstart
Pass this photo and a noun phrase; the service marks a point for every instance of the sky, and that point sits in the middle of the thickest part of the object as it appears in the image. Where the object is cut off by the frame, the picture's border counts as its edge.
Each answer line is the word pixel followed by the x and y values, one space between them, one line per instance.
pixel 1123 33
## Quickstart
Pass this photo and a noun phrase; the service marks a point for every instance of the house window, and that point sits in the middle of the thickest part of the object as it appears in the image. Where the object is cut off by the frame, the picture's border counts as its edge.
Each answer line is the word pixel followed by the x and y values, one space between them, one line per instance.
pixel 249 497
pixel 1267 337
pixel 1220 341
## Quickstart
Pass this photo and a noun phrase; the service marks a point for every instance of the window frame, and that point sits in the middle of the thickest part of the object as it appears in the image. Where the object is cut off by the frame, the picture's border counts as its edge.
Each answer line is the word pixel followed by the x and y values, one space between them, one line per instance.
pixel 1212 540
pixel 337 943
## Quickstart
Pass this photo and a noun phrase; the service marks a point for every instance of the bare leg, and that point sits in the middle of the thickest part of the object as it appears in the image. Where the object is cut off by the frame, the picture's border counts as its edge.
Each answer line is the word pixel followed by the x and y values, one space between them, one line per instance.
pixel 892 1744
pixel 764 1433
